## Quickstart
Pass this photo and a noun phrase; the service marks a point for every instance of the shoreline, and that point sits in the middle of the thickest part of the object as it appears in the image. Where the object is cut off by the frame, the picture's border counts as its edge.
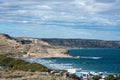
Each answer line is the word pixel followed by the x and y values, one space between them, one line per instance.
pixel 46 55
pixel 90 73
pixel 55 68
pixel 16 75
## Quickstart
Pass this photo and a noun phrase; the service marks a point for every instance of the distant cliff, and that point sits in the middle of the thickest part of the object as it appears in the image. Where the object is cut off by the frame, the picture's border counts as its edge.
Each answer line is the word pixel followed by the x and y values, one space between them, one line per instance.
pixel 83 43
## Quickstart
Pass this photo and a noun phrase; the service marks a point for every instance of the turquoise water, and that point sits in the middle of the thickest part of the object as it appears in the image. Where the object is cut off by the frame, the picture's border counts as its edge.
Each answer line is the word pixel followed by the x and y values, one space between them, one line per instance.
pixel 99 60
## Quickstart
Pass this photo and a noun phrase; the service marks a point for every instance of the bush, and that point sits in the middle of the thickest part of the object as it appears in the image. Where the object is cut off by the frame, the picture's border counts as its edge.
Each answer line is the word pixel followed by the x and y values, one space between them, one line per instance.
pixel 18 64
pixel 73 76
pixel 97 77
pixel 110 77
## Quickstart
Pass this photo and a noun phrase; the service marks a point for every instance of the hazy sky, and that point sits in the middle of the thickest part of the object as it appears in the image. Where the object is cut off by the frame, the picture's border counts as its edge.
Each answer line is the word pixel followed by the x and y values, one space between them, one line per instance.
pixel 89 19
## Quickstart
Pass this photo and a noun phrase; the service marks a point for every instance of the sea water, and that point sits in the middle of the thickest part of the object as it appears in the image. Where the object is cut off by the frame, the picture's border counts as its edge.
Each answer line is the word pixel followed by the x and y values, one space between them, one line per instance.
pixel 98 60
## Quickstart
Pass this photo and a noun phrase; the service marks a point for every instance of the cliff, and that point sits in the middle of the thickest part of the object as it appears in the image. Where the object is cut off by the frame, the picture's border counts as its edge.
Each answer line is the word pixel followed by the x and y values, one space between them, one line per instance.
pixel 35 47
pixel 29 47
pixel 83 43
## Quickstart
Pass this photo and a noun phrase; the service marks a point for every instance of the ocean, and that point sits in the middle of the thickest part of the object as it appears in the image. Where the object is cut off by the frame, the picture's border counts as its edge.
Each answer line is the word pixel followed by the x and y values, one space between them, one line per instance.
pixel 97 60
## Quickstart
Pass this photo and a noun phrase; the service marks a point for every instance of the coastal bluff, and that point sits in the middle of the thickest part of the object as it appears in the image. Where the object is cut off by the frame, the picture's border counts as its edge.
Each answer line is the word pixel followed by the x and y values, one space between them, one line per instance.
pixel 29 47
pixel 46 48
pixel 83 43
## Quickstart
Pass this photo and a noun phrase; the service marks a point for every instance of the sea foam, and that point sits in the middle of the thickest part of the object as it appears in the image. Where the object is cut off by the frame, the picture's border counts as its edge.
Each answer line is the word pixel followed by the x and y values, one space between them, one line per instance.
pixel 49 63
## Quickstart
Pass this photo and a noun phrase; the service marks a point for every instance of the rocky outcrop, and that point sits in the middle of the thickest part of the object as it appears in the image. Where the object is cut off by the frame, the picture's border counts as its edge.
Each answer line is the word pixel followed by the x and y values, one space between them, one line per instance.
pixel 29 47
pixel 83 43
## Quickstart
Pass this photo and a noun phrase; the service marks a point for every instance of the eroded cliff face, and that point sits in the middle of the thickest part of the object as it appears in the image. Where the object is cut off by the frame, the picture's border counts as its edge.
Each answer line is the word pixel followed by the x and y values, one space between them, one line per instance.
pixel 29 47
pixel 83 43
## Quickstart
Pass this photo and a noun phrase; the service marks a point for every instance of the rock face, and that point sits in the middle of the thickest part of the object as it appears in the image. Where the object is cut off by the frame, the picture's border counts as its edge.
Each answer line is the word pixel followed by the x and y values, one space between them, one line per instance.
pixel 29 47
pixel 83 43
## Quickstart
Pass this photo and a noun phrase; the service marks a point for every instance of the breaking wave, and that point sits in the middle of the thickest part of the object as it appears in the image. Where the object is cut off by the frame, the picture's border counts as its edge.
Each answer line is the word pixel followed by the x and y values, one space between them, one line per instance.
pixel 91 57
pixel 85 57
pixel 49 63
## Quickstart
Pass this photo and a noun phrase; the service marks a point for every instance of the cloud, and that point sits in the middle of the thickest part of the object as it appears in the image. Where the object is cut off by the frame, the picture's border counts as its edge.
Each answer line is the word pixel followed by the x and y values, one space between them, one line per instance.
pixel 45 7
pixel 83 12
pixel 94 6
pixel 81 17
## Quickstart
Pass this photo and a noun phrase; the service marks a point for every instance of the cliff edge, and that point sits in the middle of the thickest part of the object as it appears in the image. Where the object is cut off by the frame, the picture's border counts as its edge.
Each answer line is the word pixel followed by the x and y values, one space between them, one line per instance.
pixel 29 47
pixel 41 48
pixel 83 43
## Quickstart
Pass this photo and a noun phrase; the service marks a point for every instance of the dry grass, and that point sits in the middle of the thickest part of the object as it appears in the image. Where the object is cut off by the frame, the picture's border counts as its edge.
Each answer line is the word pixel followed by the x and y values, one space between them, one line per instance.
pixel 23 75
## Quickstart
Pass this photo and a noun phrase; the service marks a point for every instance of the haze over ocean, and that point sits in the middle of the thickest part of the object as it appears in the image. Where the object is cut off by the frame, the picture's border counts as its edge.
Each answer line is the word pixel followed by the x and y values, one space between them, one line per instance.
pixel 89 19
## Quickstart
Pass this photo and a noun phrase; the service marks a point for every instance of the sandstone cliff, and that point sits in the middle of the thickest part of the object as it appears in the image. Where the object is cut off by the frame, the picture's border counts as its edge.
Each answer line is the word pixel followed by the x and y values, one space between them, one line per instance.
pixel 29 47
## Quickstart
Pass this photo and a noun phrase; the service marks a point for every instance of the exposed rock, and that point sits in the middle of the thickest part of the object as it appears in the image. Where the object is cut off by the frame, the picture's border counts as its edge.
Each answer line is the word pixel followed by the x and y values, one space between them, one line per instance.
pixel 29 47
pixel 34 47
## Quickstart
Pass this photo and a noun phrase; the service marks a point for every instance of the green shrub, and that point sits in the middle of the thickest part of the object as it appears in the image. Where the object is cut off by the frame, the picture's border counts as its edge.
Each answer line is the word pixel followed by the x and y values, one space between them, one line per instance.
pixel 110 77
pixel 73 76
pixel 97 77
pixel 18 64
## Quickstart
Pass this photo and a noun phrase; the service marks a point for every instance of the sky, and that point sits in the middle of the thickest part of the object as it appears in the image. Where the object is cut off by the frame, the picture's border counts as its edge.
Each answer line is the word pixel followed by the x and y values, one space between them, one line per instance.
pixel 86 19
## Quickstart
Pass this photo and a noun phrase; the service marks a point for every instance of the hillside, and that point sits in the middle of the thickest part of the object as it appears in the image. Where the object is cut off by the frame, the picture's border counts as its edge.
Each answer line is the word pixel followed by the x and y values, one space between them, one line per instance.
pixel 83 43
pixel 17 69
pixel 35 47
pixel 29 47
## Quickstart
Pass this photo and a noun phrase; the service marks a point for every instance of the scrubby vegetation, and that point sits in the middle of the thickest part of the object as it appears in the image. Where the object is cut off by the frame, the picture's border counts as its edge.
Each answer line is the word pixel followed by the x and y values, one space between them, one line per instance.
pixel 96 77
pixel 17 64
pixel 26 75
pixel 111 77
pixel 73 76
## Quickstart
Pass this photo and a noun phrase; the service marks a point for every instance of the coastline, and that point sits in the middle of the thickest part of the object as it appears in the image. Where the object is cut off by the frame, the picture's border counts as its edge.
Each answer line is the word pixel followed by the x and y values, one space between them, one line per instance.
pixel 35 55
pixel 80 72
pixel 97 60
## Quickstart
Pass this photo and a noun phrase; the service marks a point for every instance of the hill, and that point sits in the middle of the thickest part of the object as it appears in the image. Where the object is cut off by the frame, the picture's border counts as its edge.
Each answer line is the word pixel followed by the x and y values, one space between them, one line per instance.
pixel 83 43
pixel 29 47
pixel 41 48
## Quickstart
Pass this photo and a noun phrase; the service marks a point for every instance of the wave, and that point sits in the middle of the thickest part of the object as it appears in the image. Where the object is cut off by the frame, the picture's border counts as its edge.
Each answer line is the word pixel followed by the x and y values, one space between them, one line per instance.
pixel 50 63
pixel 85 57
pixel 54 64
pixel 91 57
